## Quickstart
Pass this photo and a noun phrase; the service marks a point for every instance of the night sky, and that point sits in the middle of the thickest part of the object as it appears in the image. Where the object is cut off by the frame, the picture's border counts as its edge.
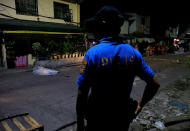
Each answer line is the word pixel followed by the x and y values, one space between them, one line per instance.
pixel 163 13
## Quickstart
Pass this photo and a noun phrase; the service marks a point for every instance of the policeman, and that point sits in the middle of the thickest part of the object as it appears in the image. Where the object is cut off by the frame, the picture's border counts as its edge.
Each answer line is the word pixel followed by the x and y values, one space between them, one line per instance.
pixel 106 78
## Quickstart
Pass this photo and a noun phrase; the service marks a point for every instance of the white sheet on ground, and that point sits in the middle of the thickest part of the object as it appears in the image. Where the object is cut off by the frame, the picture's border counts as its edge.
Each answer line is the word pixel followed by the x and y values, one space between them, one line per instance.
pixel 38 70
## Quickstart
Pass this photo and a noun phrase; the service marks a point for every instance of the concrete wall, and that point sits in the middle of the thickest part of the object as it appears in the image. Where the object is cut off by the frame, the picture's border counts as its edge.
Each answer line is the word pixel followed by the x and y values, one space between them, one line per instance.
pixel 132 26
pixel 143 27
pixel 147 24
pixel 138 25
pixel 45 8
pixel 125 28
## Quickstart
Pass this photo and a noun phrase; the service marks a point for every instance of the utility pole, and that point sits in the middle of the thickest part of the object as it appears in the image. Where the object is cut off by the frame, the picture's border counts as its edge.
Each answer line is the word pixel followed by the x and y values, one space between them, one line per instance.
pixel 3 50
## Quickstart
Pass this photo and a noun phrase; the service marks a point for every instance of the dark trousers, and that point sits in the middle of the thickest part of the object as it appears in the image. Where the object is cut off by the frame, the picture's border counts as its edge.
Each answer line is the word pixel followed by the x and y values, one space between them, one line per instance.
pixel 116 118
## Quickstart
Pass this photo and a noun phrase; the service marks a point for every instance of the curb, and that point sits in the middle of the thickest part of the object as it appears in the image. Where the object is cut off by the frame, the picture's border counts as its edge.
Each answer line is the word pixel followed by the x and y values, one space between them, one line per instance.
pixel 10 71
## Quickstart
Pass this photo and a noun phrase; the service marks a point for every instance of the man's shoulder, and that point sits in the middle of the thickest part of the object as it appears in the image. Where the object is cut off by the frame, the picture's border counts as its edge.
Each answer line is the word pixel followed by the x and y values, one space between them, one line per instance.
pixel 128 46
pixel 93 49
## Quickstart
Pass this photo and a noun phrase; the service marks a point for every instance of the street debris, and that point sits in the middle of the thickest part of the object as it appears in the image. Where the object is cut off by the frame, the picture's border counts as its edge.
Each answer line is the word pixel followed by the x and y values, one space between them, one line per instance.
pixel 39 70
pixel 166 107
pixel 160 125
pixel 178 105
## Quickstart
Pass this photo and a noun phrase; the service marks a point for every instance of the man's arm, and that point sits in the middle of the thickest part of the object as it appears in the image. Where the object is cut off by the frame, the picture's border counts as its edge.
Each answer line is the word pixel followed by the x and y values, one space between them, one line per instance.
pixel 81 105
pixel 150 91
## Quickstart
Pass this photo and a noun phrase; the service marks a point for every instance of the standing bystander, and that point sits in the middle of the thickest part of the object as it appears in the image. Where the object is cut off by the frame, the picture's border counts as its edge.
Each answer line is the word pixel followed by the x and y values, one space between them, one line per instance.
pixel 106 79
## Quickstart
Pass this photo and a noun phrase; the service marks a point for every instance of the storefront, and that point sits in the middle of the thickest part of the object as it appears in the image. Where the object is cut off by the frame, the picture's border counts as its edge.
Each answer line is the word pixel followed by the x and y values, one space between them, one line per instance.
pixel 19 35
pixel 1 60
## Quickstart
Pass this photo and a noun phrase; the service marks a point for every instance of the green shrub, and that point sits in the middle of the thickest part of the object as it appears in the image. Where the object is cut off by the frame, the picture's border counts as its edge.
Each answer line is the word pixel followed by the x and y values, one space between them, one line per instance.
pixel 188 61
pixel 53 47
pixel 36 48
pixel 68 47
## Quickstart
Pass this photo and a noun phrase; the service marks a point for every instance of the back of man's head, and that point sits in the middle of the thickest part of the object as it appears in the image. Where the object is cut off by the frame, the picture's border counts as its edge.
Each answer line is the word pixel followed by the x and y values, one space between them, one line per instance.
pixel 107 21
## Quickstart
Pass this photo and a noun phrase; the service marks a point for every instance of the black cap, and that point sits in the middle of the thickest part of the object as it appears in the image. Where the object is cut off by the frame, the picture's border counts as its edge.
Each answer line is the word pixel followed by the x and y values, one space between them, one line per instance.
pixel 107 17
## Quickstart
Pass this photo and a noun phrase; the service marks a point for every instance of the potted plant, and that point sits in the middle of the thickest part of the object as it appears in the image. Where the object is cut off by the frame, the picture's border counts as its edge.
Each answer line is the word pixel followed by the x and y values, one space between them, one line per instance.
pixel 36 48
pixel 52 48
pixel 42 53
pixel 63 56
pixel 54 55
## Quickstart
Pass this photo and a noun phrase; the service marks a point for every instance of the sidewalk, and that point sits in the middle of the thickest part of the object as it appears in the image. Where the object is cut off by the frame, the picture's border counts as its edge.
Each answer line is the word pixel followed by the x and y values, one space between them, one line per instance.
pixel 29 69
pixel 51 64
pixel 15 70
pixel 57 65
pixel 51 100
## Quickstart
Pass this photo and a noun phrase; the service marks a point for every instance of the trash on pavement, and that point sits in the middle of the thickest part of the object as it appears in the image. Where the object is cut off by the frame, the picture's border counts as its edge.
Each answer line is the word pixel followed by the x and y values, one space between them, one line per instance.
pixel 38 70
pixel 160 125
pixel 178 105
pixel 167 107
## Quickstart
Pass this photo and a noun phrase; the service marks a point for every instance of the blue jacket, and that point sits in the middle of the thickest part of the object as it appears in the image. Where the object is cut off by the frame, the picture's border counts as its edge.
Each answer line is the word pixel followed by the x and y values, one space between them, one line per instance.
pixel 109 69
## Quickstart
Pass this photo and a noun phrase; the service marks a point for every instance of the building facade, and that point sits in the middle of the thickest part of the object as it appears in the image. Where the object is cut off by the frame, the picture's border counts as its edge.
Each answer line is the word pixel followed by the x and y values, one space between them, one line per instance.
pixel 56 11
pixel 136 28
pixel 24 22
pixel 135 23
pixel 138 23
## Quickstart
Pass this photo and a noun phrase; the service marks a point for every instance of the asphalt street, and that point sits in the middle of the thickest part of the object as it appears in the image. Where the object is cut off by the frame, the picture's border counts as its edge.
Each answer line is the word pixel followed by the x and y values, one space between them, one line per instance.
pixel 51 100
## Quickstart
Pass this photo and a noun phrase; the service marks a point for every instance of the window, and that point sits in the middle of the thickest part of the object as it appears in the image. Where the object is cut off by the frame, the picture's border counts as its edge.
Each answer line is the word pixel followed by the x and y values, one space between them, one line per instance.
pixel 62 11
pixel 27 7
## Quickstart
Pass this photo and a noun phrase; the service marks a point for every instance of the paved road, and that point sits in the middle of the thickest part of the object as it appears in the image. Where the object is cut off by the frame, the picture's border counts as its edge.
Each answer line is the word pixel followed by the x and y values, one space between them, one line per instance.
pixel 174 76
pixel 51 99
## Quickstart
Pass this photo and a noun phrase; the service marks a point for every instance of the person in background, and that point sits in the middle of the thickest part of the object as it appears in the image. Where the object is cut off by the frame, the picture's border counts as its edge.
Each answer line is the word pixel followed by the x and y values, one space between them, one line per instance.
pixel 107 75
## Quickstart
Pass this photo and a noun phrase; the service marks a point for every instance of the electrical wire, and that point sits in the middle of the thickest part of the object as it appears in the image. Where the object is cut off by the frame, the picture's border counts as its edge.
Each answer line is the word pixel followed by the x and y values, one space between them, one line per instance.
pixel 38 14
pixel 9 16
pixel 5 10
pixel 7 6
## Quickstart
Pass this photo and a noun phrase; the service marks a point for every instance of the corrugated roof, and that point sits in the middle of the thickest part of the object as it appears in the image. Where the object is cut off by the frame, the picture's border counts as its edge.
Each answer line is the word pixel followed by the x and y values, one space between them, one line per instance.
pixel 15 24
